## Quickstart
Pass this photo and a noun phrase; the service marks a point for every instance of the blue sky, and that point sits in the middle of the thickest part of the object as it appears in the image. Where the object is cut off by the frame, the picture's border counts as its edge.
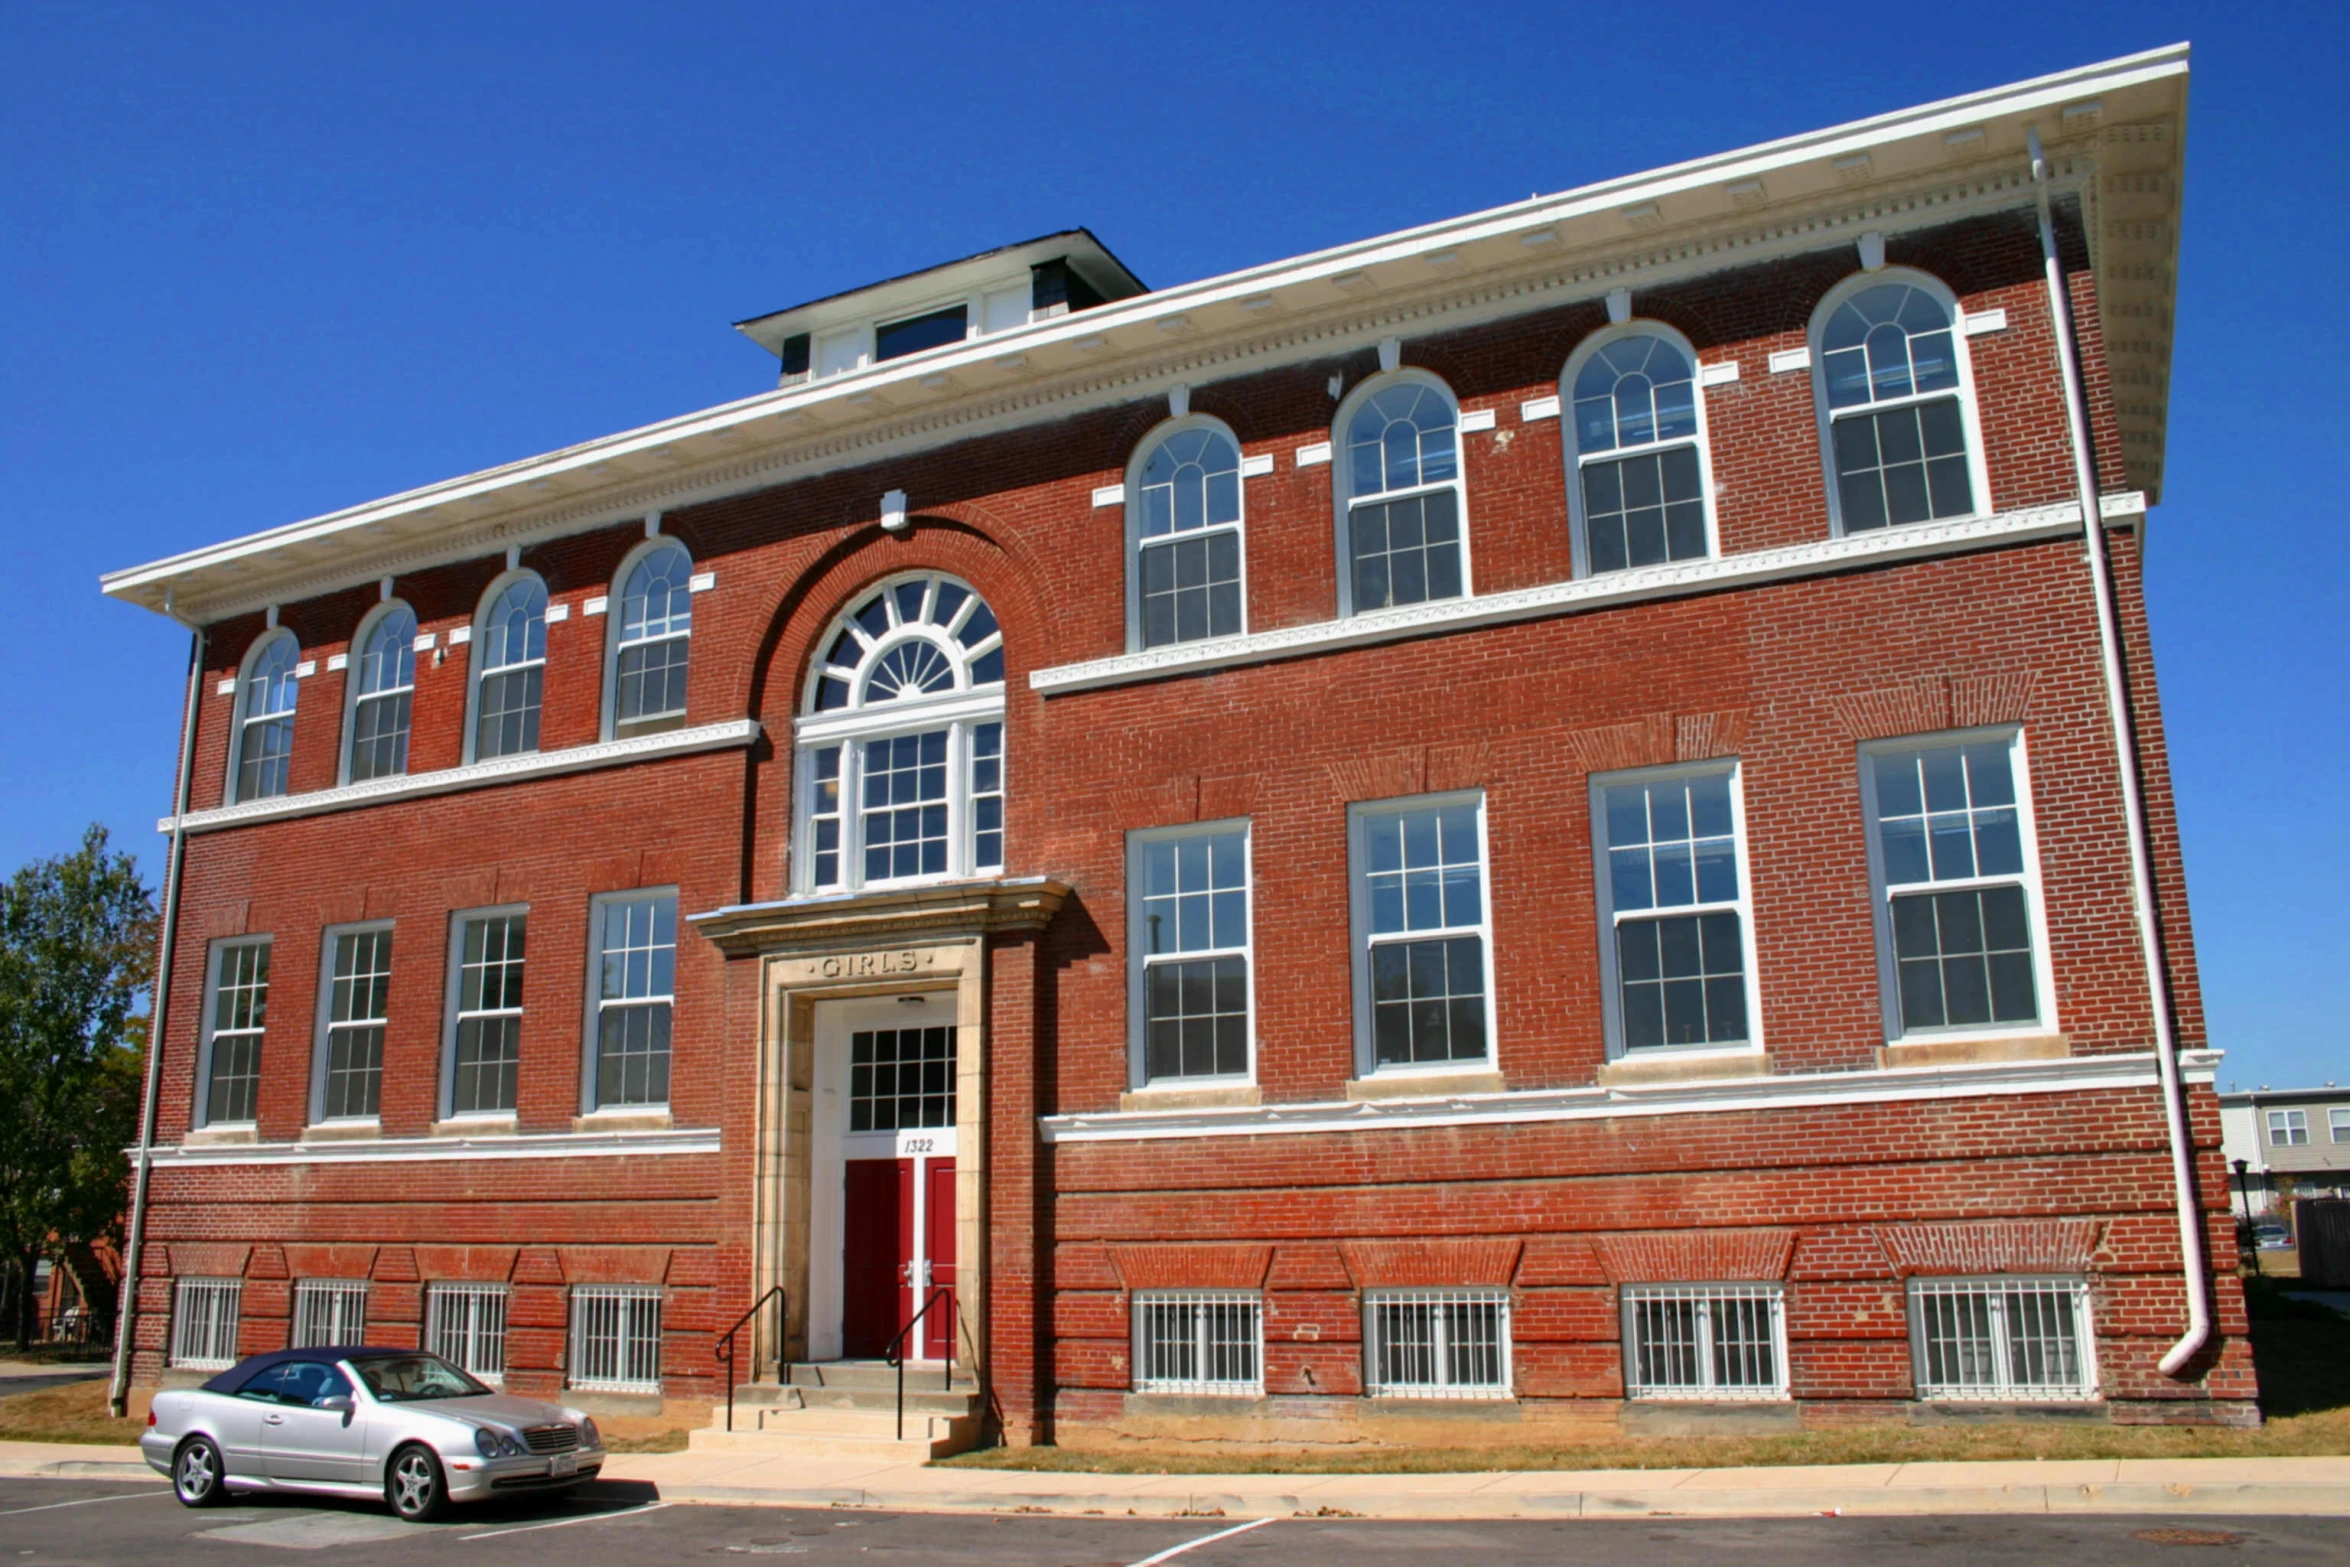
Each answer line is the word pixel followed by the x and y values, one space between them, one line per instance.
pixel 264 261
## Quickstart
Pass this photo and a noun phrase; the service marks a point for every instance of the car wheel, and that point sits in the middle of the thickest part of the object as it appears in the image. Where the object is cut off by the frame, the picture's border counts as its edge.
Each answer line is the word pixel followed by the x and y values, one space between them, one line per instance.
pixel 414 1485
pixel 198 1478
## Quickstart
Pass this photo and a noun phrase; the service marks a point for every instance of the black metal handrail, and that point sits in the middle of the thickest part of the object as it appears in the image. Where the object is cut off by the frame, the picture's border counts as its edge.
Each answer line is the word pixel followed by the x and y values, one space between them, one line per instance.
pixel 895 1355
pixel 726 1343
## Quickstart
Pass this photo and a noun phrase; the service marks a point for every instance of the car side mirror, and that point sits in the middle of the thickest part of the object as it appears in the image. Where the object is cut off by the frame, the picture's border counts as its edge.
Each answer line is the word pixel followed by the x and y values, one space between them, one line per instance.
pixel 340 1403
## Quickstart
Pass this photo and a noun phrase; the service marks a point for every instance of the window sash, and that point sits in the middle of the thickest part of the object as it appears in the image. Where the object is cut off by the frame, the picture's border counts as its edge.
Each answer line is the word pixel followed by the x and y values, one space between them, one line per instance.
pixel 1442 1019
pixel 1193 1004
pixel 1199 1341
pixel 2003 1339
pixel 2288 1129
pixel 836 822
pixel 240 990
pixel 1717 990
pixel 1433 1343
pixel 616 1337
pixel 465 1324
pixel 1705 1341
pixel 204 1323
pixel 509 701
pixel 485 1036
pixel 1670 513
pixel 358 982
pixel 632 1030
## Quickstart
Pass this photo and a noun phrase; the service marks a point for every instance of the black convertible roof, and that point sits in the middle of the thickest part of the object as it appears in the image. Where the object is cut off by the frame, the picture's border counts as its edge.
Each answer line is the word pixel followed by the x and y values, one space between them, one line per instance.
pixel 233 1380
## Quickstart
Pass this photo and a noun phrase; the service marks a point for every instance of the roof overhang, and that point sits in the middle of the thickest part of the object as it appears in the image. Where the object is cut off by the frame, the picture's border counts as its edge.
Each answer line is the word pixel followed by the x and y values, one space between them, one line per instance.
pixel 2113 134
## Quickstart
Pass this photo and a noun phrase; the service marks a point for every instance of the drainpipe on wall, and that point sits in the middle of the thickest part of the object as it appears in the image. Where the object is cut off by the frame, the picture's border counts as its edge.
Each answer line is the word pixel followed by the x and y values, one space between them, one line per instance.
pixel 127 1308
pixel 2125 745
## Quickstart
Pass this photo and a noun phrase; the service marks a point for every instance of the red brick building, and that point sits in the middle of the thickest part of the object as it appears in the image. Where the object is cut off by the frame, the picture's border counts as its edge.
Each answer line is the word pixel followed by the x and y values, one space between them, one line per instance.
pixel 1559 817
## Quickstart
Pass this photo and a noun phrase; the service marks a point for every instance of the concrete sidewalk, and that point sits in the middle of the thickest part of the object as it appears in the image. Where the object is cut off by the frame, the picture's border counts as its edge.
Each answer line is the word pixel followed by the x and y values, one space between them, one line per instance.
pixel 2302 1486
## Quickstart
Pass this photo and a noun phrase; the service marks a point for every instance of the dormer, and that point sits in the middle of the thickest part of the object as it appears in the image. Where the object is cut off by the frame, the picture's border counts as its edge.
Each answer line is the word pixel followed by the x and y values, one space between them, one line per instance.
pixel 994 291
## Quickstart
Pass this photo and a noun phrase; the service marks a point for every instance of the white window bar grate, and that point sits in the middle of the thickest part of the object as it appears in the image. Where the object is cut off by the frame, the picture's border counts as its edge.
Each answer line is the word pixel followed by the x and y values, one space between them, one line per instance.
pixel 330 1311
pixel 1705 1341
pixel 616 1337
pixel 2002 1339
pixel 465 1324
pixel 1199 1341
pixel 204 1323
pixel 1436 1343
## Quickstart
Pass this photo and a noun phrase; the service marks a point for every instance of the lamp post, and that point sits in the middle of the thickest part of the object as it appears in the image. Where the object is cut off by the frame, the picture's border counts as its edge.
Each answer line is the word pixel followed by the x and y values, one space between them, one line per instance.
pixel 2244 1195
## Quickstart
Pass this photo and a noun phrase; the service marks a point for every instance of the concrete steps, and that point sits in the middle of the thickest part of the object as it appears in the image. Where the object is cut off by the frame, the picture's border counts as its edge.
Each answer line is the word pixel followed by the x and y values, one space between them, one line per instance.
pixel 848 1409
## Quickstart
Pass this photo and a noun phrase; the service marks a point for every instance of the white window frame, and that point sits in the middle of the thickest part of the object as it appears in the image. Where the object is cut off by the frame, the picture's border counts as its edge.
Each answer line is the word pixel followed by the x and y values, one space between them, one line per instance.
pixel 1446 1385
pixel 205 1339
pixel 589 1300
pixel 1603 884
pixel 1359 816
pixel 1138 953
pixel 1577 459
pixel 591 1054
pixel 2293 1123
pixel 959 711
pixel 1978 473
pixel 2035 902
pixel 240 717
pixel 476 671
pixel 2004 1389
pixel 1343 496
pixel 1144 1302
pixel 614 646
pixel 477 1340
pixel 1705 1296
pixel 1144 450
pixel 453 993
pixel 323 1025
pixel 332 1304
pixel 213 960
pixel 351 694
pixel 866 333
pixel 2338 1125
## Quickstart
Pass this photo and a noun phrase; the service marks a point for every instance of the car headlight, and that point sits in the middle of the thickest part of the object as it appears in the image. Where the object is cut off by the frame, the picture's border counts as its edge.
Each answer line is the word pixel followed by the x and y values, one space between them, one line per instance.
pixel 493 1443
pixel 588 1435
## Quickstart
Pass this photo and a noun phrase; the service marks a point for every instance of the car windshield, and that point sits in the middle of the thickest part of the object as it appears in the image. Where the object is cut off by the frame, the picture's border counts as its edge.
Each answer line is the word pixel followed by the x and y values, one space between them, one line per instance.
pixel 409 1379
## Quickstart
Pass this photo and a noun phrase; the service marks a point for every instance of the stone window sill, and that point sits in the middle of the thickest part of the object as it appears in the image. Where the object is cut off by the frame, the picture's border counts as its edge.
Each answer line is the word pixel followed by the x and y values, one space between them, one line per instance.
pixel 1221 1096
pixel 1663 1067
pixel 343 1131
pixel 1426 1085
pixel 477 1126
pixel 217 1136
pixel 622 1121
pixel 1965 1051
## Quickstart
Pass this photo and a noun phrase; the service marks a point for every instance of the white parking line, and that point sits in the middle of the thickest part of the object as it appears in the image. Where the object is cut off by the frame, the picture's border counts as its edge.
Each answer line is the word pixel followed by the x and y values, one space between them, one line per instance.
pixel 123 1496
pixel 1205 1539
pixel 559 1523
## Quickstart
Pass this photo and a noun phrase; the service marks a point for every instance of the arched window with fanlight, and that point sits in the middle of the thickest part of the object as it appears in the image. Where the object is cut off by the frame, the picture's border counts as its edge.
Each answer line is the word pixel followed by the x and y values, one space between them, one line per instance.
pixel 1403 536
pixel 382 684
pixel 264 739
pixel 1896 399
pixel 1185 521
pixel 652 633
pixel 901 746
pixel 510 666
pixel 1636 450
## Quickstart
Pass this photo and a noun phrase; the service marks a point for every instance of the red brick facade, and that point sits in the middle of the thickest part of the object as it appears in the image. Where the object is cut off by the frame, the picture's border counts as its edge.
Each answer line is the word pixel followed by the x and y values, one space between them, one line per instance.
pixel 1839 1200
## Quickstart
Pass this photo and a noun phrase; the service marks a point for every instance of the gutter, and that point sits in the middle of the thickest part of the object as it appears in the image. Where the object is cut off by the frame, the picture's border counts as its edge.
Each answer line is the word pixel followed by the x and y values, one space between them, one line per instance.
pixel 127 1310
pixel 2125 745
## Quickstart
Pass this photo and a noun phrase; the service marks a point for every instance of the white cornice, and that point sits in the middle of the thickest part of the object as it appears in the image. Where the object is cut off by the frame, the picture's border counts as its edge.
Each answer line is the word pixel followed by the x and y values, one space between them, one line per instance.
pixel 2075 1074
pixel 1050 369
pixel 414 1150
pixel 1712 575
pixel 479 775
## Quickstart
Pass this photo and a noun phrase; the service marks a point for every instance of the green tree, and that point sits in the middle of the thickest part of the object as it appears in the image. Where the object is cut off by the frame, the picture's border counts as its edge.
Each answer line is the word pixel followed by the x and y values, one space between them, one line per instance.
pixel 77 954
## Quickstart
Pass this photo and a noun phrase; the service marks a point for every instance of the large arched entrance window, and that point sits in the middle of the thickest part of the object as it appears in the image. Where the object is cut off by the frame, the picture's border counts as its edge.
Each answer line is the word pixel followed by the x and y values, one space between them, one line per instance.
pixel 901 742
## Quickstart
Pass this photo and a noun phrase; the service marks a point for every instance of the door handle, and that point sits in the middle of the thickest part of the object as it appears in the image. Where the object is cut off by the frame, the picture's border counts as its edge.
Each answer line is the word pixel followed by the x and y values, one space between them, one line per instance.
pixel 273 1420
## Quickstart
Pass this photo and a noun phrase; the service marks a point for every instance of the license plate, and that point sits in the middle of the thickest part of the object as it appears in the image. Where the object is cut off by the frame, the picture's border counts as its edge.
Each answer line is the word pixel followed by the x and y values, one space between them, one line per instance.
pixel 563 1464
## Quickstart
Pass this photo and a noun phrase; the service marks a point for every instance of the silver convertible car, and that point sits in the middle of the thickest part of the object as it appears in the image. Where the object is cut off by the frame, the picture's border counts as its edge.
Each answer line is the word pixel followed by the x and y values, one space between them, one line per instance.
pixel 349 1421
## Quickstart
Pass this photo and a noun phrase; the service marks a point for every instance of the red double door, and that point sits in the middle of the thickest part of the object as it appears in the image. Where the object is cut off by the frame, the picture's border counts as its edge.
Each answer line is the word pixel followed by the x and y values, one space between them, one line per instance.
pixel 900 1246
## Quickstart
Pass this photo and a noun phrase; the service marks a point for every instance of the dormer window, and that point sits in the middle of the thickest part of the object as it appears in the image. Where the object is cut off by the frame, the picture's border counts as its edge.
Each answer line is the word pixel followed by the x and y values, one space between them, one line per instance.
pixel 996 309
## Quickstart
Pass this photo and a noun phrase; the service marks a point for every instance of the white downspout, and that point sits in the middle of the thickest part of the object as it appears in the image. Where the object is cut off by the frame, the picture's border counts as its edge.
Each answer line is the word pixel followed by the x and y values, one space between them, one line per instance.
pixel 126 1311
pixel 2125 746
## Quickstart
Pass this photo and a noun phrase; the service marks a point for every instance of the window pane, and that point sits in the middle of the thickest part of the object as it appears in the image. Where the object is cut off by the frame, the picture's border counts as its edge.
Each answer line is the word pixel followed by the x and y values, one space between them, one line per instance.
pixel 895 339
pixel 1406 552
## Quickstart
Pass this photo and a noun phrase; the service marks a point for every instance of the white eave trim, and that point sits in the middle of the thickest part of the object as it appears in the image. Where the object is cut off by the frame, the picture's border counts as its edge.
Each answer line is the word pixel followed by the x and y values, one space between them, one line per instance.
pixel 480 775
pixel 1883 1085
pixel 414 1150
pixel 1818 558
pixel 2016 101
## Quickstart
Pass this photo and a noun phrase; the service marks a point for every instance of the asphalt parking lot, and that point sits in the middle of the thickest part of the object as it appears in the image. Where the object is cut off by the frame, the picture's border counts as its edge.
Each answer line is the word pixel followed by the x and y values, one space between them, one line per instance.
pixel 74 1521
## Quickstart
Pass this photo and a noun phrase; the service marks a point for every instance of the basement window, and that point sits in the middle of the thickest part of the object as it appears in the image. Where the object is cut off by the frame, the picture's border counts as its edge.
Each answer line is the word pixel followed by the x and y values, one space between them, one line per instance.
pixel 616 1337
pixel 1436 1343
pixel 2004 1340
pixel 204 1323
pixel 1704 1341
pixel 1197 1341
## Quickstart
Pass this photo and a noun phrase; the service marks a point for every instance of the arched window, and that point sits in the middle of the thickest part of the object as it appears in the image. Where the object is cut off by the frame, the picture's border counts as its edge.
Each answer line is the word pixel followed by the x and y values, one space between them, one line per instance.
pixel 1894 389
pixel 1401 531
pixel 382 681
pixel 651 629
pixel 1185 518
pixel 902 752
pixel 510 664
pixel 265 717
pixel 1636 445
